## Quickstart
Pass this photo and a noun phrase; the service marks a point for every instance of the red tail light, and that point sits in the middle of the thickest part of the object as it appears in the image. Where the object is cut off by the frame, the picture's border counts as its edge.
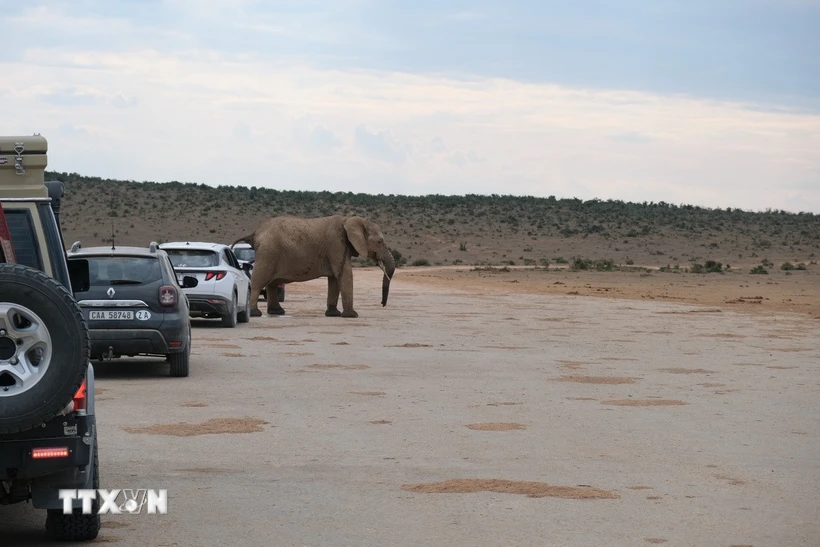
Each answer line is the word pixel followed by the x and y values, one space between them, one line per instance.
pixel 81 397
pixel 215 275
pixel 52 452
pixel 168 296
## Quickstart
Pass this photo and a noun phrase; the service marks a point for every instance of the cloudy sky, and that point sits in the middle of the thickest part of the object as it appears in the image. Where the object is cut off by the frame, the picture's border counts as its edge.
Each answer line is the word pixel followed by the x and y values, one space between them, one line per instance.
pixel 707 102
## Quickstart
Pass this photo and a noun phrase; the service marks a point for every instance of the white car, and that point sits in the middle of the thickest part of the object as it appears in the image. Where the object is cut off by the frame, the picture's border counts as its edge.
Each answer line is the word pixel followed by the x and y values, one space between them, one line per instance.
pixel 246 256
pixel 223 289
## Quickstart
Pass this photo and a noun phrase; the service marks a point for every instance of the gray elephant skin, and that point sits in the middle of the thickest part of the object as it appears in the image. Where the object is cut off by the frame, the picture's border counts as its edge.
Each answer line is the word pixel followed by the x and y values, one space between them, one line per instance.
pixel 291 249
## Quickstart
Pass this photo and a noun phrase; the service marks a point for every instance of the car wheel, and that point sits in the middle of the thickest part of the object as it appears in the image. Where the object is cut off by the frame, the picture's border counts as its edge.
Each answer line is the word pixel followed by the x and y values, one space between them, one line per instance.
pixel 179 361
pixel 44 348
pixel 230 319
pixel 245 315
pixel 76 526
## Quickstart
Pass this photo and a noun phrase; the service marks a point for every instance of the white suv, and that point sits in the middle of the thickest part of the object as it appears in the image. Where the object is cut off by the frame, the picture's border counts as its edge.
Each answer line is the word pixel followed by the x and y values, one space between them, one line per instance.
pixel 223 288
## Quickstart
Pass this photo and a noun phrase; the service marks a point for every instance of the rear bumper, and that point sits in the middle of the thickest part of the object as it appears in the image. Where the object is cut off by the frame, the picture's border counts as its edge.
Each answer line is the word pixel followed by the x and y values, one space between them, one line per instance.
pixel 17 462
pixel 208 305
pixel 135 342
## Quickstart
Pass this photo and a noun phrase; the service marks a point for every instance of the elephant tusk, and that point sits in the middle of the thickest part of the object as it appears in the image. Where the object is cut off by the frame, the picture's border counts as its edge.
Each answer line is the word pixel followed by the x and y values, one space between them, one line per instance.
pixel 384 271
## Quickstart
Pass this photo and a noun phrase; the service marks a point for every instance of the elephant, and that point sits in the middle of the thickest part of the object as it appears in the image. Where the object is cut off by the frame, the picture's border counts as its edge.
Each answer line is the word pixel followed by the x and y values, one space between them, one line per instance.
pixel 290 249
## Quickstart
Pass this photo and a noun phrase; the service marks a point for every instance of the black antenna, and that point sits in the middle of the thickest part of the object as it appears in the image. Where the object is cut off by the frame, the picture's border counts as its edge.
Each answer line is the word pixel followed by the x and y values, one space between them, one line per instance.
pixel 112 233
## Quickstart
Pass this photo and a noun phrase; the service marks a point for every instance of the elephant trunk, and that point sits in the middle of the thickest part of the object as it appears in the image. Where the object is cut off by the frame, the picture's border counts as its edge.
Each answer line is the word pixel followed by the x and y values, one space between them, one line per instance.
pixel 388 266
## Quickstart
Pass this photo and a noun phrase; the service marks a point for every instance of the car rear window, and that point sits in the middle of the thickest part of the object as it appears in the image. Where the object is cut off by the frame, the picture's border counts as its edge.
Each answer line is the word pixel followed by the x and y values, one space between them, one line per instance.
pixel 122 270
pixel 191 258
pixel 244 254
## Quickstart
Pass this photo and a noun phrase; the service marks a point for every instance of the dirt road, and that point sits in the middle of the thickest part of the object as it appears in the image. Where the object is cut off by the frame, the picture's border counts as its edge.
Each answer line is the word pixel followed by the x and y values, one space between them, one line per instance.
pixel 460 419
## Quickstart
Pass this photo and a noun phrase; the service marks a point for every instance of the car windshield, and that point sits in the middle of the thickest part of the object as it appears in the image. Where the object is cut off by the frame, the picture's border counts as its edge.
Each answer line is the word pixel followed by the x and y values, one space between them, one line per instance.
pixel 244 254
pixel 122 270
pixel 192 258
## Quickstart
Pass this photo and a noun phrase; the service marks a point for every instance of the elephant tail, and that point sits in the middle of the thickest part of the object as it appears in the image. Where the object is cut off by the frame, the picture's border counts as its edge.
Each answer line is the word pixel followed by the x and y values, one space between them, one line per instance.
pixel 246 239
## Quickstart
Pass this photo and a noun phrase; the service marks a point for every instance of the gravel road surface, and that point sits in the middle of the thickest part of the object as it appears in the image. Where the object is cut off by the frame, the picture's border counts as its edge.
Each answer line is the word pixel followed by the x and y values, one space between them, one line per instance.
pixel 456 419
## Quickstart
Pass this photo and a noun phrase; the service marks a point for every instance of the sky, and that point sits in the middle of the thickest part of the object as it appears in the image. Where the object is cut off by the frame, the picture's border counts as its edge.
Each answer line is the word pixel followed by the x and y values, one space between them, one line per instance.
pixel 706 102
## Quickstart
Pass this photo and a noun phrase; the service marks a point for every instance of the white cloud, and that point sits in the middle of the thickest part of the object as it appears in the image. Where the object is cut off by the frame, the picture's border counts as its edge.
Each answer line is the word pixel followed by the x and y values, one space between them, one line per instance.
pixel 157 115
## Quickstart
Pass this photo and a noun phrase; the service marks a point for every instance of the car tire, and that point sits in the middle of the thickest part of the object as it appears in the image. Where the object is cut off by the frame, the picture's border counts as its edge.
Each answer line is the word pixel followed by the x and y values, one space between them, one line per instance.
pixel 245 315
pixel 76 526
pixel 230 319
pixel 39 314
pixel 180 361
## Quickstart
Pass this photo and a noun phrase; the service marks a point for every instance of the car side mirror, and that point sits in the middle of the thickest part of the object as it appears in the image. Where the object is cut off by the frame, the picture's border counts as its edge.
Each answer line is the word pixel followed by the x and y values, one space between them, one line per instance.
pixel 79 275
pixel 247 266
pixel 189 282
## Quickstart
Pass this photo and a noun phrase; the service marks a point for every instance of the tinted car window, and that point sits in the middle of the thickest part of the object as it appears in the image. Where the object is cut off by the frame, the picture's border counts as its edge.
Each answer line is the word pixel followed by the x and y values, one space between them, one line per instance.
pixel 21 228
pixel 189 258
pixel 244 254
pixel 122 270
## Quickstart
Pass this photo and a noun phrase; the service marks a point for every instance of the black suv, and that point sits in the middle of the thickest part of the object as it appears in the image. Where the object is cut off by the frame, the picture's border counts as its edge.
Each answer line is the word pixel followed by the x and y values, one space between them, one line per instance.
pixel 134 304
pixel 48 433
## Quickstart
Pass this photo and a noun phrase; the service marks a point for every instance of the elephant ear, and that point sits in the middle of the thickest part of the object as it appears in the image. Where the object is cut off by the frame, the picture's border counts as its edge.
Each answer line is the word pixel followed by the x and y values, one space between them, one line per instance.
pixel 357 234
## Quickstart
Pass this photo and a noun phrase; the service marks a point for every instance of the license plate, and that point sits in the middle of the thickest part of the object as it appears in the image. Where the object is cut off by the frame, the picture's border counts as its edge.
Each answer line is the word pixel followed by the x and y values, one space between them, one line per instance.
pixel 111 315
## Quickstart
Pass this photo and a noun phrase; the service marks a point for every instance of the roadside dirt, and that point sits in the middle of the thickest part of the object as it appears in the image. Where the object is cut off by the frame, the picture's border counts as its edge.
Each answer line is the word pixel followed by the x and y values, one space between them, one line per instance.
pixel 796 292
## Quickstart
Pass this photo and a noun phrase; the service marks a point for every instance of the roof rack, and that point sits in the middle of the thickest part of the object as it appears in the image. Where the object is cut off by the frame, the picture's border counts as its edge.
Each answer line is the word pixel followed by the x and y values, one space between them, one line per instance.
pixel 75 246
pixel 152 247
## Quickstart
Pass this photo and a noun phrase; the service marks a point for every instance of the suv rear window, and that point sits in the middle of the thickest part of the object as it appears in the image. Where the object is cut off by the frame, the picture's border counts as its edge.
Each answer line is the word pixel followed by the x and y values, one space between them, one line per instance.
pixel 244 254
pixel 122 270
pixel 191 258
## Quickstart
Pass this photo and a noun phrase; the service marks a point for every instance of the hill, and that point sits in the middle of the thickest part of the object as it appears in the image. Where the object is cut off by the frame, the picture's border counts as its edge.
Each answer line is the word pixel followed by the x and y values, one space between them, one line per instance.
pixel 446 230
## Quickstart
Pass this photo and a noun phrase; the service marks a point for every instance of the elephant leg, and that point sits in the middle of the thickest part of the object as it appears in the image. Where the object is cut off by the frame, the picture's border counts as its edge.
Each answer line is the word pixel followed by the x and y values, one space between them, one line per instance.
pixel 274 307
pixel 346 288
pixel 256 290
pixel 332 297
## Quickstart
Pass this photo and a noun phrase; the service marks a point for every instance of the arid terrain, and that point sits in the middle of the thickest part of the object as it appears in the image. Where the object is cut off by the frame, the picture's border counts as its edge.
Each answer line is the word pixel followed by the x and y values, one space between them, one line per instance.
pixel 453 230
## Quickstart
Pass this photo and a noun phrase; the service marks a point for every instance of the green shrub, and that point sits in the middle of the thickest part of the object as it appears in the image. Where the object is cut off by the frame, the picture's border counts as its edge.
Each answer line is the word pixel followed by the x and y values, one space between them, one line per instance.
pixel 420 262
pixel 759 270
pixel 400 260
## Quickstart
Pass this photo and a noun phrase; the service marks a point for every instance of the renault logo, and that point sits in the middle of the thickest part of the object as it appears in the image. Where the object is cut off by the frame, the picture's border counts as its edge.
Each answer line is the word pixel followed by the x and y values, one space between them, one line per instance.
pixel 110 292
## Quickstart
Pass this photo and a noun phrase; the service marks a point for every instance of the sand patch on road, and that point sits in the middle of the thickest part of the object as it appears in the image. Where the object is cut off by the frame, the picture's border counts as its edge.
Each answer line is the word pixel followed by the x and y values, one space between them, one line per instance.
pixel 581 379
pixel 338 367
pixel 496 426
pixel 527 488
pixel 370 393
pixel 644 402
pixel 680 370
pixel 215 426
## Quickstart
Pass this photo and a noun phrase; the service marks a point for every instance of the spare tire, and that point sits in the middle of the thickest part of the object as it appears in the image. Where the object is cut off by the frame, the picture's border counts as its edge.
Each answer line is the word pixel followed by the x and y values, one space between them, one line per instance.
pixel 44 348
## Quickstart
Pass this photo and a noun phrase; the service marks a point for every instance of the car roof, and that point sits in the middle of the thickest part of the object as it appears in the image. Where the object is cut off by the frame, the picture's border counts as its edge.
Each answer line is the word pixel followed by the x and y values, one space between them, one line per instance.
pixel 241 246
pixel 122 250
pixel 193 245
